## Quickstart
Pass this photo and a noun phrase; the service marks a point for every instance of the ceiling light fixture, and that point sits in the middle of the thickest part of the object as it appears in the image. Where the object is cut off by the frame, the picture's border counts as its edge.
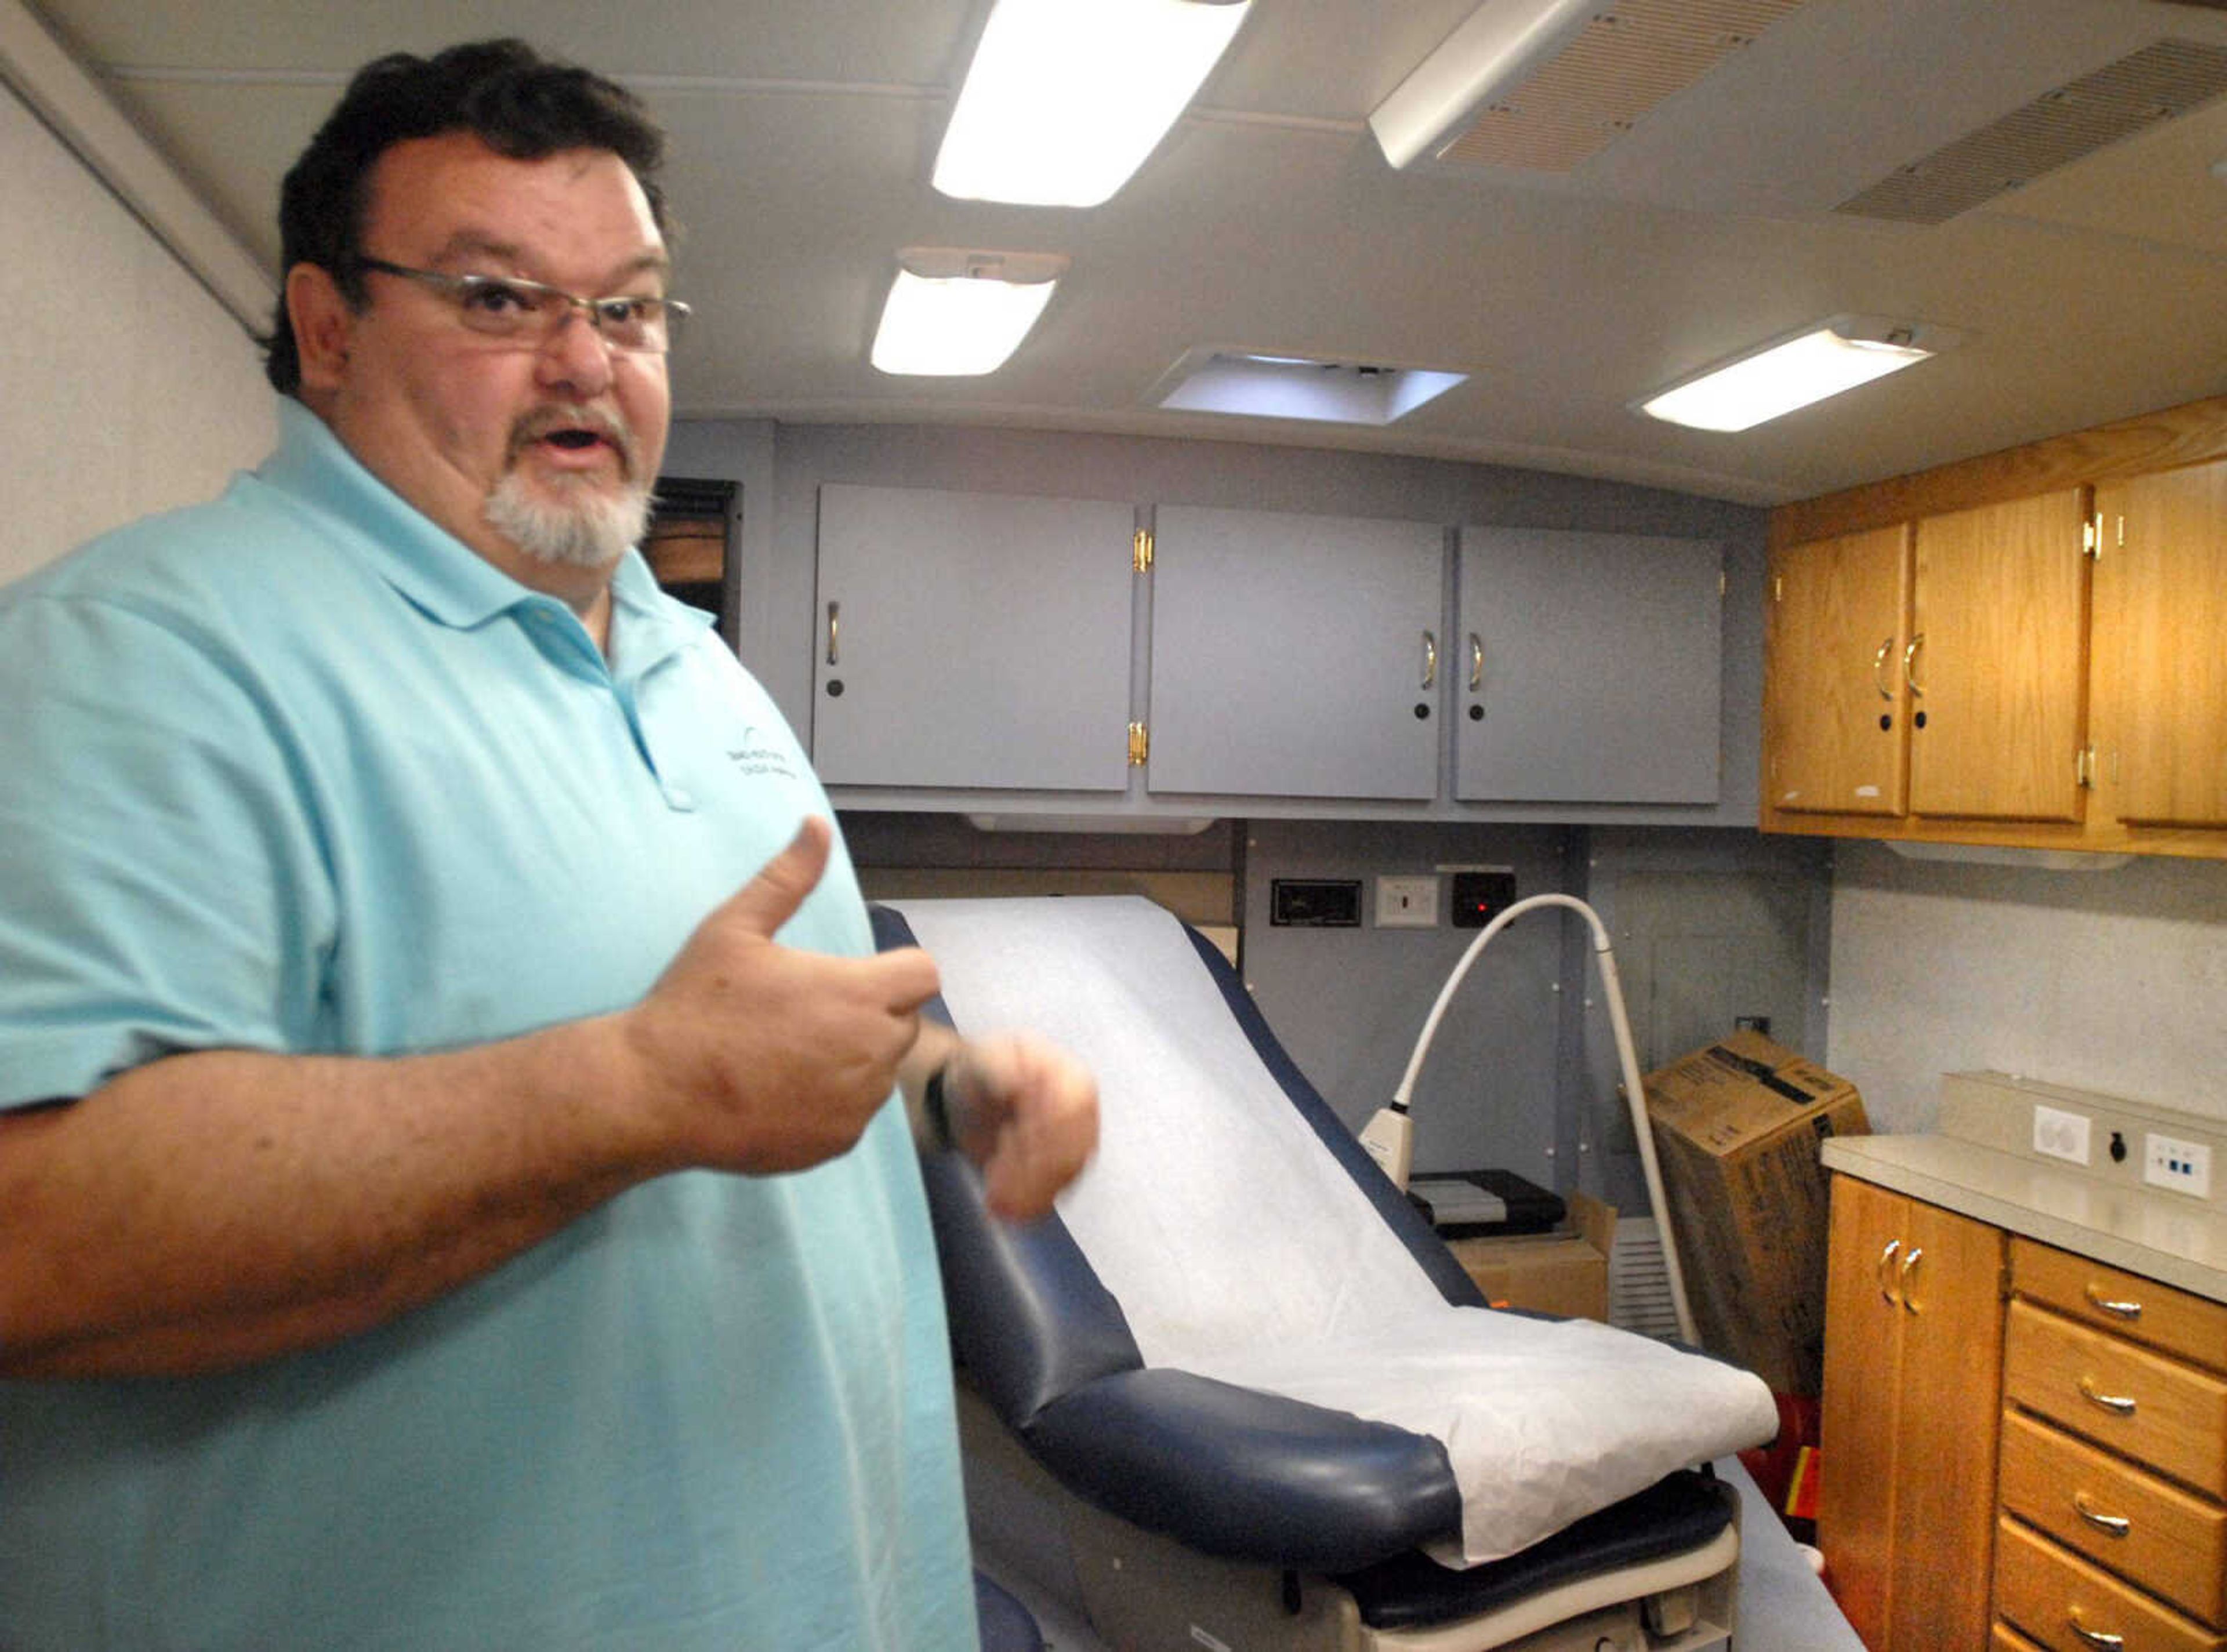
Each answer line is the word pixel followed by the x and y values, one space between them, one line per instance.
pixel 1792 372
pixel 954 313
pixel 1066 97
pixel 1502 42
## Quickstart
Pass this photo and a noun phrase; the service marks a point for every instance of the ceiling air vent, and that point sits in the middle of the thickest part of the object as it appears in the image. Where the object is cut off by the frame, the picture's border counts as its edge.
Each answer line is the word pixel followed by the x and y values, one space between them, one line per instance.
pixel 2076 119
pixel 1629 57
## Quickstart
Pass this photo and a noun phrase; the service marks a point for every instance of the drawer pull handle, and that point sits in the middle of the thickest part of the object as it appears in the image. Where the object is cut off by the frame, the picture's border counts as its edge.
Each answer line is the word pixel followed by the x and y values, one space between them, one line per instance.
pixel 2094 1636
pixel 1885 1267
pixel 2110 1525
pixel 2118 1404
pixel 2118 1309
pixel 1903 1278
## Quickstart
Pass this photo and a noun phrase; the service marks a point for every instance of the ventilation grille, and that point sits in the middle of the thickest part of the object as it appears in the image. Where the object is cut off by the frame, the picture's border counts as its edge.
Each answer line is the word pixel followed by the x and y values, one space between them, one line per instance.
pixel 2154 84
pixel 1639 1280
pixel 1627 59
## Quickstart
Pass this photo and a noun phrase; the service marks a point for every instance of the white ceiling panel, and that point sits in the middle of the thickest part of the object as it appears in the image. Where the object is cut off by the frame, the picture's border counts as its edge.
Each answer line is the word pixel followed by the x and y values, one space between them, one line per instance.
pixel 802 137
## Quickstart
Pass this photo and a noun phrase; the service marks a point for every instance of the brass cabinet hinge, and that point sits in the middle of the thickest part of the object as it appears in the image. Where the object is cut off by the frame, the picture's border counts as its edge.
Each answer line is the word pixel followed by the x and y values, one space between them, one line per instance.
pixel 1140 745
pixel 2083 766
pixel 1141 550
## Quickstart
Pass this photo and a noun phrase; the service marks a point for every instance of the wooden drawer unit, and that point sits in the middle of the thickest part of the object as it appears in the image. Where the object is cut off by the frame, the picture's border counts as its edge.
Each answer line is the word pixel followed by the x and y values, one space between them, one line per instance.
pixel 2160 1411
pixel 2113 1481
pixel 2126 1303
pixel 2118 1515
pixel 2068 1605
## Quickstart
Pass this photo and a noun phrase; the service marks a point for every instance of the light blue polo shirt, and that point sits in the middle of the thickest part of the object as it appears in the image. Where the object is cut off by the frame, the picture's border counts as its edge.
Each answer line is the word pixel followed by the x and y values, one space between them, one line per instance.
pixel 297 771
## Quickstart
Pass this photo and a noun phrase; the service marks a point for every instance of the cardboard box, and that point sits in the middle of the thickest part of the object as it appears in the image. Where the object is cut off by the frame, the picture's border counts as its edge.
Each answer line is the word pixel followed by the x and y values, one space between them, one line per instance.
pixel 1737 1129
pixel 1564 1272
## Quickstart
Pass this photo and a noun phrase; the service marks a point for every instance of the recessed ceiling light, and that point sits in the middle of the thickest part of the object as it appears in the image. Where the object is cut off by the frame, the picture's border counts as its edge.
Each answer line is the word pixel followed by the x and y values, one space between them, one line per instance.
pixel 1066 97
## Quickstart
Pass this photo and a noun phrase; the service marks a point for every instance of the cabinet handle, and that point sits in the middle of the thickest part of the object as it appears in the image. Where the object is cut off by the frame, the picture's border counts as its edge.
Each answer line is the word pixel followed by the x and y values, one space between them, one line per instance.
pixel 2094 1636
pixel 2111 1525
pixel 1885 1267
pixel 1878 664
pixel 2118 1404
pixel 1475 662
pixel 1909 1267
pixel 1909 665
pixel 834 619
pixel 1430 658
pixel 2120 1309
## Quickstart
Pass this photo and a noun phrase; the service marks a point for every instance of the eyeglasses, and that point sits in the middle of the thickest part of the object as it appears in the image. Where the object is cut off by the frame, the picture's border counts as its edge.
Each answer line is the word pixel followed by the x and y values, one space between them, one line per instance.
pixel 508 307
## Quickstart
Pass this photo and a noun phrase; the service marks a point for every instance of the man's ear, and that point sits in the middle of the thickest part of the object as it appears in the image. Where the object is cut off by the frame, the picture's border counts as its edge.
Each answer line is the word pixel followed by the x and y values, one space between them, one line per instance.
pixel 324 326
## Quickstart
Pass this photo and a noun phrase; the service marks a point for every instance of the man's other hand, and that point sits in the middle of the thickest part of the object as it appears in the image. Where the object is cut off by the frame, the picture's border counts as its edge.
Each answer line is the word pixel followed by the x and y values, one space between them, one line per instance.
pixel 1026 1111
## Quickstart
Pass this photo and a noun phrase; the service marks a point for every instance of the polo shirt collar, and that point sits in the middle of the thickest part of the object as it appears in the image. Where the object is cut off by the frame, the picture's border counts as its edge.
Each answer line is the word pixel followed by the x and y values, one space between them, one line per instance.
pixel 436 570
pixel 438 573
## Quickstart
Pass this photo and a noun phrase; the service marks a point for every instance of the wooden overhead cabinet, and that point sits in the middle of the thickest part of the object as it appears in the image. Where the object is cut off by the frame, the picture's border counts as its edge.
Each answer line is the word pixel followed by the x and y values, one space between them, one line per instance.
pixel 1930 672
pixel 2161 625
pixel 1997 661
pixel 1836 725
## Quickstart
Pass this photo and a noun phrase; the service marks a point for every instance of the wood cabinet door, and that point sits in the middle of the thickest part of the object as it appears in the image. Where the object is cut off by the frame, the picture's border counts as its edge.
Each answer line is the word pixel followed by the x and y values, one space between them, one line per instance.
pixel 1836 735
pixel 1998 660
pixel 2161 611
pixel 1950 1280
pixel 1856 1523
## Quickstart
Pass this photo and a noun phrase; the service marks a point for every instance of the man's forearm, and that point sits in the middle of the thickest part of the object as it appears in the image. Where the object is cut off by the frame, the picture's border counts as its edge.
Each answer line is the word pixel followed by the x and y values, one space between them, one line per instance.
pixel 214 1208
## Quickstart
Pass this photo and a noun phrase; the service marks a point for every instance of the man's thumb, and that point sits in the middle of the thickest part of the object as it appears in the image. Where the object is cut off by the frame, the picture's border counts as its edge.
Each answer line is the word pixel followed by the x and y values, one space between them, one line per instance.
pixel 771 898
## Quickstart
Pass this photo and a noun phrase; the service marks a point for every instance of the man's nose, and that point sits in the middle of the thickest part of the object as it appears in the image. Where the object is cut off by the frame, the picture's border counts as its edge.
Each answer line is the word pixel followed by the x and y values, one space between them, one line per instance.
pixel 576 353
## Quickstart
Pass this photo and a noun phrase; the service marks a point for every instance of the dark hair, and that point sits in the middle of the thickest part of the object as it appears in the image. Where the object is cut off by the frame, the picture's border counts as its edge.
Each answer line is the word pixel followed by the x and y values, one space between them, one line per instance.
pixel 502 92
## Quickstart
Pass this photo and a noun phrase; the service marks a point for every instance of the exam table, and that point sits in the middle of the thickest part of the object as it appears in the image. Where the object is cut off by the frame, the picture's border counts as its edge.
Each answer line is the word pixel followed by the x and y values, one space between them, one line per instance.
pixel 1173 1506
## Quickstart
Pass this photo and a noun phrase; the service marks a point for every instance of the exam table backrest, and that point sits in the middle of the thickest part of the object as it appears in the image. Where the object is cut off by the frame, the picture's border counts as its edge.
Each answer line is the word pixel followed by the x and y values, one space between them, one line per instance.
pixel 1029 1319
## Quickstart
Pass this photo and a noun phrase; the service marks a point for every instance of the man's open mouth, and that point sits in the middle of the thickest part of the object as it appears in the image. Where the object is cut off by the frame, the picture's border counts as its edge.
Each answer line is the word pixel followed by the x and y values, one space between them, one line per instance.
pixel 576 433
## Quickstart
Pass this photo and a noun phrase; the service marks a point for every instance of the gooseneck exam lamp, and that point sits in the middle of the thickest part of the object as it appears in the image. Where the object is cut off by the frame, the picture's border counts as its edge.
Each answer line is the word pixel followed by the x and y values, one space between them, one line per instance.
pixel 1389 1136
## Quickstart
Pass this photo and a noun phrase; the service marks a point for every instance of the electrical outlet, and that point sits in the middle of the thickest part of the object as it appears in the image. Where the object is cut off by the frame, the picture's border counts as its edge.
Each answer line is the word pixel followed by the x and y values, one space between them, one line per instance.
pixel 2060 1134
pixel 2184 1166
pixel 1406 903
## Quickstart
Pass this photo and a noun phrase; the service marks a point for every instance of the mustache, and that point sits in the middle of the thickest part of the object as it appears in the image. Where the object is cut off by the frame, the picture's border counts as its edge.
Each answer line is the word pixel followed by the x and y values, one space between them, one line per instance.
pixel 546 421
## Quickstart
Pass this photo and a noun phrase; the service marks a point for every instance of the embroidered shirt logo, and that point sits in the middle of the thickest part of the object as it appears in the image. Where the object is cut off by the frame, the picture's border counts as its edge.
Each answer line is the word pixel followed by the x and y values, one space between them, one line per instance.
pixel 753 756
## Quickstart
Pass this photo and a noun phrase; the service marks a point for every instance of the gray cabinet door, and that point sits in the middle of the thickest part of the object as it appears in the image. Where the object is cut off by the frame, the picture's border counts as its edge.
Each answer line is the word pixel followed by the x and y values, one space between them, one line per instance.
pixel 972 639
pixel 1588 667
pixel 1294 656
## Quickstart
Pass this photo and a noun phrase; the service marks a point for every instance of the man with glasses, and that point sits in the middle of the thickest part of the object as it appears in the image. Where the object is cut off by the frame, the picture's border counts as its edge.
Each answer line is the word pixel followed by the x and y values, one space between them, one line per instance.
pixel 451 1190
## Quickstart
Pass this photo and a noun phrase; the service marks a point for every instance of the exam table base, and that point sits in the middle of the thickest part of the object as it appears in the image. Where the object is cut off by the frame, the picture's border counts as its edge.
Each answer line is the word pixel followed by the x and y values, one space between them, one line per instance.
pixel 1139 1589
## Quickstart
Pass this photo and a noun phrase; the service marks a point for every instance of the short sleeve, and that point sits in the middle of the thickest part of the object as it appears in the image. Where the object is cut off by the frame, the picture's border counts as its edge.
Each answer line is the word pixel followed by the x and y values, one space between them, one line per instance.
pixel 161 886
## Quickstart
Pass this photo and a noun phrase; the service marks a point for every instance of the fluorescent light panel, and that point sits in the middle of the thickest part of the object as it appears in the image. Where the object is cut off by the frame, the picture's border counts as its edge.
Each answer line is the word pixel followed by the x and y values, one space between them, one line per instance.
pixel 1066 97
pixel 1502 42
pixel 1820 363
pixel 954 315
pixel 1284 386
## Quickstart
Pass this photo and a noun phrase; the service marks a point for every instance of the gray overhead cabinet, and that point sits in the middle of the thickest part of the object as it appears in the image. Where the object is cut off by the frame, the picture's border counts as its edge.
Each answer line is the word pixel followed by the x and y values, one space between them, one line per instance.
pixel 996 651
pixel 972 639
pixel 1590 667
pixel 1295 656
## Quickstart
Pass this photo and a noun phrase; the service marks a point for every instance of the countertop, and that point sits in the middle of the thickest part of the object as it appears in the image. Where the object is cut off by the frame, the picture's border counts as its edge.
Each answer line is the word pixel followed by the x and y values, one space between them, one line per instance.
pixel 2164 1236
